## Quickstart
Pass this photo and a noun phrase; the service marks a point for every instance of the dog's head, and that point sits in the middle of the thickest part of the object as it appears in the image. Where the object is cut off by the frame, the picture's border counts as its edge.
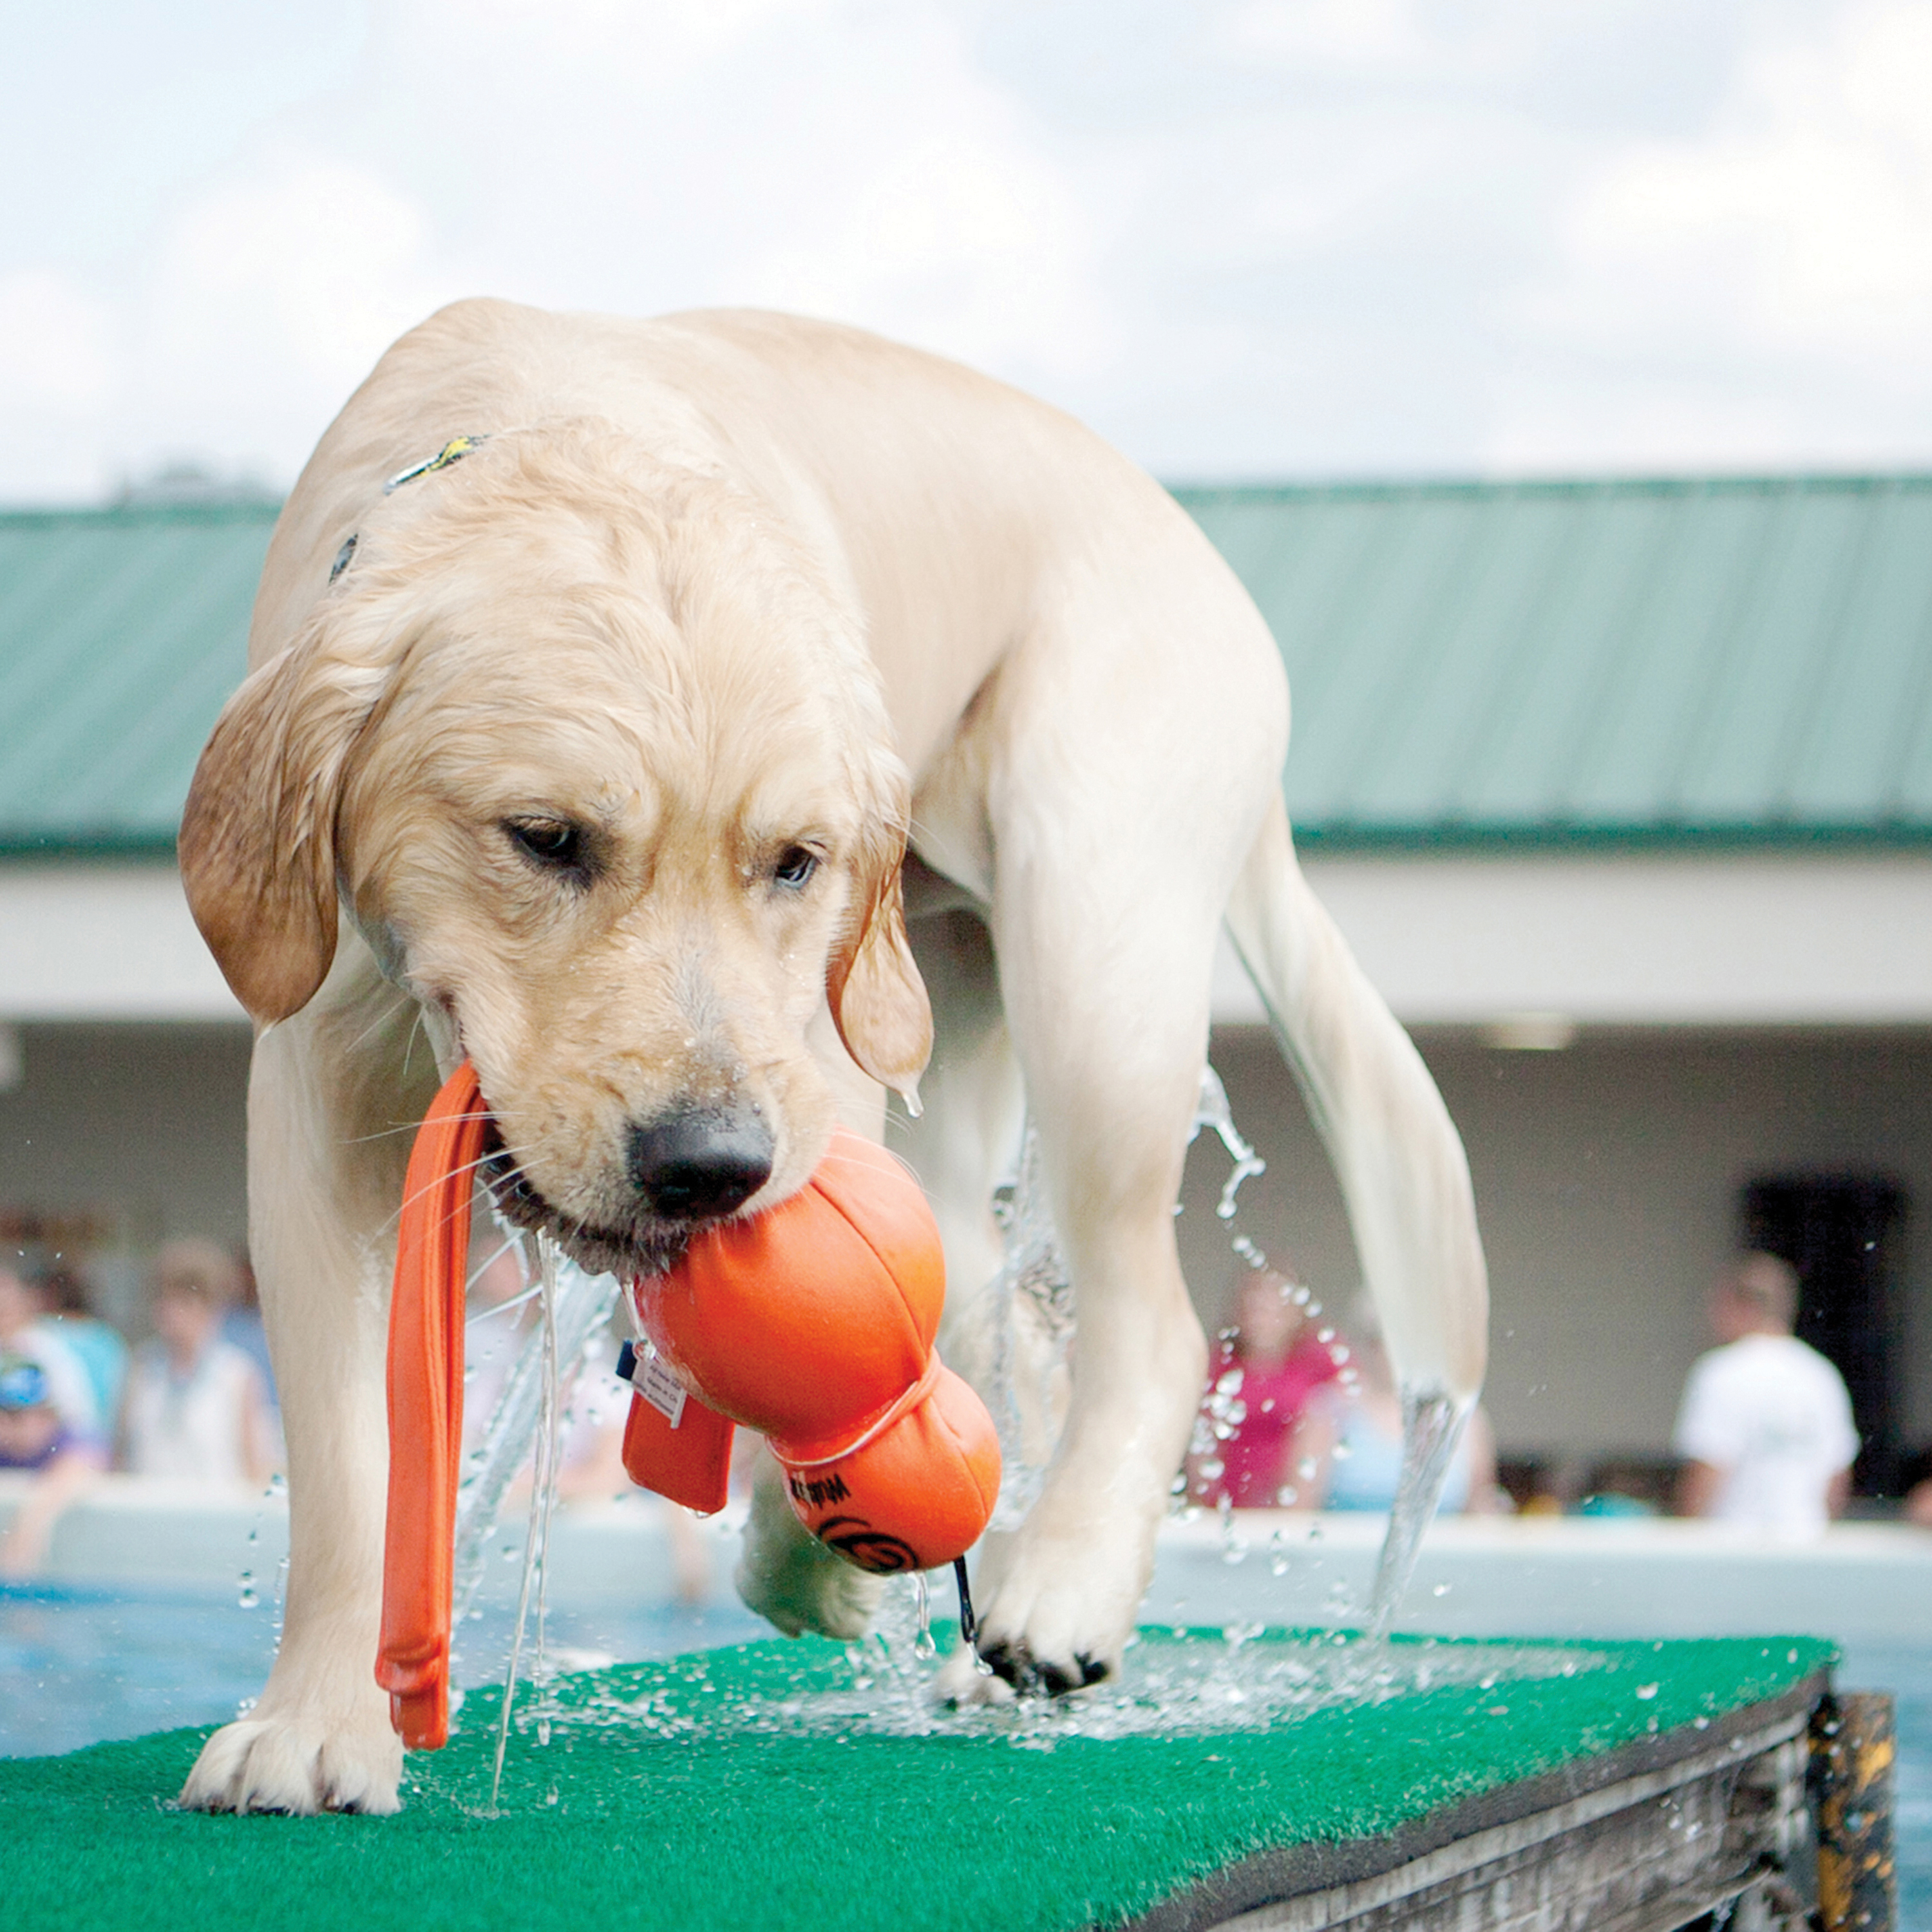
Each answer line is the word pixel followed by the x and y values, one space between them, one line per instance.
pixel 596 762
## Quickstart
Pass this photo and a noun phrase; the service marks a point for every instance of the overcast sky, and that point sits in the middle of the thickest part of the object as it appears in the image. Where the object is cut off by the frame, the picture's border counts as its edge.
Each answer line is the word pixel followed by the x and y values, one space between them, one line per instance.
pixel 1242 237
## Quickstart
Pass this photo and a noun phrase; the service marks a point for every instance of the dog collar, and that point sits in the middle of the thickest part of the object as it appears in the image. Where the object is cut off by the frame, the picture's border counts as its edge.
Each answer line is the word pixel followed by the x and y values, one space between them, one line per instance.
pixel 454 450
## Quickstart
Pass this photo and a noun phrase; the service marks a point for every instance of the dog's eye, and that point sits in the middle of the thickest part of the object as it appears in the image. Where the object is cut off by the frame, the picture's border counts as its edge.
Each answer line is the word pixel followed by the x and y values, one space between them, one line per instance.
pixel 795 867
pixel 551 842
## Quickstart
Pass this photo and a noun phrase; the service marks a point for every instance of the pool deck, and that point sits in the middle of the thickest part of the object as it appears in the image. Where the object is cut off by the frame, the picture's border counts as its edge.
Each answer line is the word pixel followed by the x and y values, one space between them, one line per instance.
pixel 1861 1582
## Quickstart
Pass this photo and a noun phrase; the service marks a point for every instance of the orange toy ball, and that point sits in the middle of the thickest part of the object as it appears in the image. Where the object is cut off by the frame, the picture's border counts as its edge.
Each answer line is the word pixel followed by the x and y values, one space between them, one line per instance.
pixel 914 1496
pixel 808 1321
pixel 814 1324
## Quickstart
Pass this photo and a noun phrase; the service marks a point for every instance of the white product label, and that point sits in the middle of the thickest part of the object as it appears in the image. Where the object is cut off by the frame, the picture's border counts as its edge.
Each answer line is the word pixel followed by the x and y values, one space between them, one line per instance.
pixel 653 1380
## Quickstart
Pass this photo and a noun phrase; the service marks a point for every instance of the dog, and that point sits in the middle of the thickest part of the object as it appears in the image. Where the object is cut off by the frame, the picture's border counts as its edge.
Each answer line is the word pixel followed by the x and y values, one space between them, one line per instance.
pixel 709 726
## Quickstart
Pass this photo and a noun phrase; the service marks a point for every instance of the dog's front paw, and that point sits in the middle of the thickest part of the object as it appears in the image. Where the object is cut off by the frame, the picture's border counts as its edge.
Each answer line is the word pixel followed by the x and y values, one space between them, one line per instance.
pixel 998 1673
pixel 296 1765
pixel 1059 1611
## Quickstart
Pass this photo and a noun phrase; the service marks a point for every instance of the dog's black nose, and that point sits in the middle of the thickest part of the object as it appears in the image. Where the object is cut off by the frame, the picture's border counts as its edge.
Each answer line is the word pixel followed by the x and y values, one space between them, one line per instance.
pixel 692 1166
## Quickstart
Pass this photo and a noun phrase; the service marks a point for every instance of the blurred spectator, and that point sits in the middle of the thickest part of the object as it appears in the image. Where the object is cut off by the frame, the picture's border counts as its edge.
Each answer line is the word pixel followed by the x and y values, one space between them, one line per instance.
pixel 48 1423
pixel 196 1409
pixel 1765 1425
pixel 66 1305
pixel 25 1332
pixel 1263 1374
pixel 1347 1452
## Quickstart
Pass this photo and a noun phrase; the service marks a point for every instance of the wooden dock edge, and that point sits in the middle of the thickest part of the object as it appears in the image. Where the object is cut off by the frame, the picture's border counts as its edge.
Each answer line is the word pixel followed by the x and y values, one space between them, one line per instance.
pixel 1644 1838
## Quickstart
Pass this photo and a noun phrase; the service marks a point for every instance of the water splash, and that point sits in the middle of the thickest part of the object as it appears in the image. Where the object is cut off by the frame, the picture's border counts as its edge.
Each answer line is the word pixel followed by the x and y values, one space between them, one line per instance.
pixel 923 1648
pixel 543 1507
pixel 1213 1111
pixel 1031 1304
pixel 1032 1309
pixel 1182 1685
pixel 579 1305
pixel 1432 1426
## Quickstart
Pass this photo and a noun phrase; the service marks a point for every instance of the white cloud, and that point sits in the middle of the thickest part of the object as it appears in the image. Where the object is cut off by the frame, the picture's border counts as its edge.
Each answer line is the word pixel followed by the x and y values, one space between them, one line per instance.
pixel 55 352
pixel 322 260
pixel 1769 276
pixel 273 293
pixel 58 374
pixel 1271 236
pixel 1322 32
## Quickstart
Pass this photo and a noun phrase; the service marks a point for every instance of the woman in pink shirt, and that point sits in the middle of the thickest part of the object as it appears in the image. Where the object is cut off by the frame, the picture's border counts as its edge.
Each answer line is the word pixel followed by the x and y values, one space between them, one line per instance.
pixel 1263 1374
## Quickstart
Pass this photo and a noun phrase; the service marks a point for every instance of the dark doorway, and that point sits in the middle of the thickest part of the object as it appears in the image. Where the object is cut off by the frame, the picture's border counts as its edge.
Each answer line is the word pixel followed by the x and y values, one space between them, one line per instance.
pixel 1845 1234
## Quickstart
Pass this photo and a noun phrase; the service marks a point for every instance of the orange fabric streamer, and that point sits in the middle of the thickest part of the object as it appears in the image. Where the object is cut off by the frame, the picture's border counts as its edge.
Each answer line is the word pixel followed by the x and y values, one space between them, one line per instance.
pixel 426 1315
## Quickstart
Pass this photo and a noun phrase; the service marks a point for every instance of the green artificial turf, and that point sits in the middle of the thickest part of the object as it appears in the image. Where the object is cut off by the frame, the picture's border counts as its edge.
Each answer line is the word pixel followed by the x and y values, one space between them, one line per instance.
pixel 764 1787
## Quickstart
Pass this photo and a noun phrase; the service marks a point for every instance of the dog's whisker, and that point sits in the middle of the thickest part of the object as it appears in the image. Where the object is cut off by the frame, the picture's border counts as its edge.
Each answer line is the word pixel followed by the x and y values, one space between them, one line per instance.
pixel 411 1127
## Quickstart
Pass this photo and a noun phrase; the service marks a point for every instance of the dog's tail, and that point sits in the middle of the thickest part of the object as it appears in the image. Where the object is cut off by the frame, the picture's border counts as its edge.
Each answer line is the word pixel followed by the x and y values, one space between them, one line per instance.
pixel 1395 1150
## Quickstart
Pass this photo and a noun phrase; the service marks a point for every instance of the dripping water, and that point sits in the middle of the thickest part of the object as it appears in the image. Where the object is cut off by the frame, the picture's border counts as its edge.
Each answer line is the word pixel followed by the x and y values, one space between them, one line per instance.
pixel 1212 1111
pixel 1432 1425
pixel 1032 1311
pixel 923 1648
pixel 581 1305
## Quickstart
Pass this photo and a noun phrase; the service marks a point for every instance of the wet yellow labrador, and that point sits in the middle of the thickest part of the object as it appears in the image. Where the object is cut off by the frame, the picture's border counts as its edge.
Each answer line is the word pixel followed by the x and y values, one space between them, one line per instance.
pixel 723 721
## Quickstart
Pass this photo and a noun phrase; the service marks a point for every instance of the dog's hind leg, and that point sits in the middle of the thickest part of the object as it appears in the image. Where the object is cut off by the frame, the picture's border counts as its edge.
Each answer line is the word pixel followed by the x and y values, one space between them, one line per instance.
pixel 328 1142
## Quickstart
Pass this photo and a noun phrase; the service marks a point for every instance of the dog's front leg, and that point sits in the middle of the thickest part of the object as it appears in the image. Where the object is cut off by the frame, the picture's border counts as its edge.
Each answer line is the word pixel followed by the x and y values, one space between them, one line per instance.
pixel 327 1143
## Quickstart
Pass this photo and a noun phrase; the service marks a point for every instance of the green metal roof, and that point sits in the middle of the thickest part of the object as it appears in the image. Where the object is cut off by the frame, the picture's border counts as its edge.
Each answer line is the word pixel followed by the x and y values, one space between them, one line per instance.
pixel 1728 661
pixel 122 633
pixel 1735 661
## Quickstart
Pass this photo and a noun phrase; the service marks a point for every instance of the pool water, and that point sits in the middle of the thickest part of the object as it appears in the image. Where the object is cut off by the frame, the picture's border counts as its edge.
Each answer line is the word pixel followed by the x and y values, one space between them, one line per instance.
pixel 79 1667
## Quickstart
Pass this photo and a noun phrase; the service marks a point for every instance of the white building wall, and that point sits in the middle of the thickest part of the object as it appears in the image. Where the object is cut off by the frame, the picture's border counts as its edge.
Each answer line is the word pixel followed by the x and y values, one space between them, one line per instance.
pixel 1739 1015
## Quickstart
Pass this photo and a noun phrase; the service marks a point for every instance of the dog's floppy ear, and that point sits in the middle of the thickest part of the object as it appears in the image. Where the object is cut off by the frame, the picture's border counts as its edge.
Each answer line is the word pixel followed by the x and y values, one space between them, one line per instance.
pixel 872 984
pixel 257 843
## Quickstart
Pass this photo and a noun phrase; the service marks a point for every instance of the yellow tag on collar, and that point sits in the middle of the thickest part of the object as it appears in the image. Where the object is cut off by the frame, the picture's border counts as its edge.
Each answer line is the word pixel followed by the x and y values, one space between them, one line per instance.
pixel 451 451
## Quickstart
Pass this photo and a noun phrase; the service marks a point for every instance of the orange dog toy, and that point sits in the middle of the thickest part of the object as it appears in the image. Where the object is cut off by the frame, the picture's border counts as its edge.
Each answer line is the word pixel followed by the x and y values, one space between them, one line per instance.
pixel 426 1411
pixel 813 1324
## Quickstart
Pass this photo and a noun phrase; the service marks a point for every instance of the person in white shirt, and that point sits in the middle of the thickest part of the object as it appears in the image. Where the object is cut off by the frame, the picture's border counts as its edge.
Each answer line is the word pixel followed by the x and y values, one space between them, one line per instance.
pixel 1765 1426
pixel 195 1408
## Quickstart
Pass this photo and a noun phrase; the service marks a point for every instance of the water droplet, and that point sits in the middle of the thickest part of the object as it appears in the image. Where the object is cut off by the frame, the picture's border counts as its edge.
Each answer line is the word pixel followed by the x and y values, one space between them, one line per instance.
pixel 923 1648
pixel 1305 1469
pixel 1324 1335
pixel 1441 1590
pixel 250 1596
pixel 1646 1692
pixel 543 1738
